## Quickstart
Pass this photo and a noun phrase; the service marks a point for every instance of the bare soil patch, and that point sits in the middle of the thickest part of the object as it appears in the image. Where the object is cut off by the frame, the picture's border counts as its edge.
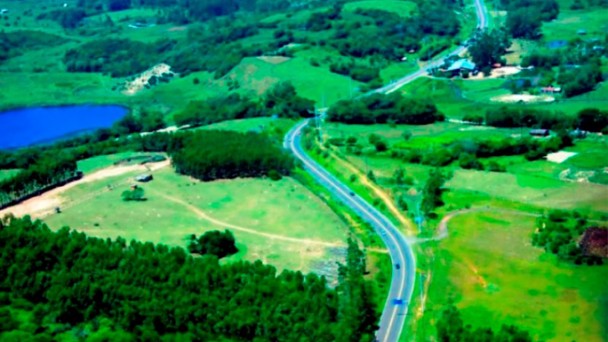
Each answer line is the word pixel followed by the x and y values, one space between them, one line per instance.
pixel 274 59
pixel 527 98
pixel 46 203
pixel 560 157
pixel 140 82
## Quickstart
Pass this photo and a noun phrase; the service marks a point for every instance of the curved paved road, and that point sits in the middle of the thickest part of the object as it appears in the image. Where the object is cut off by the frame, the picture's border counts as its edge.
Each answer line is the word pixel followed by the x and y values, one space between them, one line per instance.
pixel 402 282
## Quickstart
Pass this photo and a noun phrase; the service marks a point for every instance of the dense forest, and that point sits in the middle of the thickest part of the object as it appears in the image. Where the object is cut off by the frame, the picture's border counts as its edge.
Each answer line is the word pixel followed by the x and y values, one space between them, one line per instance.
pixel 560 232
pixel 65 281
pixel 209 155
pixel 452 328
pixel 380 108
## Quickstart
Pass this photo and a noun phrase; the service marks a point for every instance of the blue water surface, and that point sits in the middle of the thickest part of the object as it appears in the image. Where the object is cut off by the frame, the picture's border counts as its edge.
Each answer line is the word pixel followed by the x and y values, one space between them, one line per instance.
pixel 30 126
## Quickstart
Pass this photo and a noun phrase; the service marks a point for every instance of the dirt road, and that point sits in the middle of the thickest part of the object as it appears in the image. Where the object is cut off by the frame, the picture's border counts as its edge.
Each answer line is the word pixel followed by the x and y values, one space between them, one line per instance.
pixel 42 205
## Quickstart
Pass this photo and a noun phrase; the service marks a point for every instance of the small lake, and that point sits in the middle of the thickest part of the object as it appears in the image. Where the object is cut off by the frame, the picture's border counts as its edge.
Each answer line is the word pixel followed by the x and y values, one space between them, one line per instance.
pixel 30 126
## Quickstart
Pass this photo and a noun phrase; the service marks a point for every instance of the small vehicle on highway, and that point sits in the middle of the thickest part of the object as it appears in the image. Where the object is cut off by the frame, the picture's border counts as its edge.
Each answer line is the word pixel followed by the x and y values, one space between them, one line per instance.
pixel 352 193
pixel 398 266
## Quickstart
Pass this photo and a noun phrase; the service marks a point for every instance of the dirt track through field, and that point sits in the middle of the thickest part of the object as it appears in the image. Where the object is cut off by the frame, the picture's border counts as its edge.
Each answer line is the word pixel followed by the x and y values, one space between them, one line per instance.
pixel 206 217
pixel 46 203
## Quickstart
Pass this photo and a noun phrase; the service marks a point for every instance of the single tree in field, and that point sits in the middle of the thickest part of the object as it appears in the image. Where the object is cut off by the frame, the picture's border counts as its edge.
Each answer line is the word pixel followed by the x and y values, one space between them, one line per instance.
pixel 488 47
pixel 433 189
pixel 135 194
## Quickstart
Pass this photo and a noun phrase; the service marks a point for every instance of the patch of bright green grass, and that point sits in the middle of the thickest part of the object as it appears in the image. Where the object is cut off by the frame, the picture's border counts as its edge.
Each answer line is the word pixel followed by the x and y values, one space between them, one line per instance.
pixel 97 163
pixel 7 174
pixel 538 191
pixel 402 8
pixel 568 23
pixel 253 125
pixel 488 267
pixel 315 83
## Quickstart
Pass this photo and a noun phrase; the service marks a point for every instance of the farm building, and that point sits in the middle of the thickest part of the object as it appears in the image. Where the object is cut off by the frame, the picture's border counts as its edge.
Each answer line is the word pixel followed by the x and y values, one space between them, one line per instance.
pixel 461 65
pixel 550 90
pixel 540 132
pixel 144 178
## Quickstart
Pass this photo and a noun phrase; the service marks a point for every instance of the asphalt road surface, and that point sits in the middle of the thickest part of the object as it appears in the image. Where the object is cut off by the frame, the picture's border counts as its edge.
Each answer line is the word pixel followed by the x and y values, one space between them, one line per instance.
pixel 403 260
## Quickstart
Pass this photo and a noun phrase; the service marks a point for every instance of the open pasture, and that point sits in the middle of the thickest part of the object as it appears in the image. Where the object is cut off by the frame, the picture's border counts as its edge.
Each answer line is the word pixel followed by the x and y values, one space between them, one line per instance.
pixel 488 267
pixel 288 226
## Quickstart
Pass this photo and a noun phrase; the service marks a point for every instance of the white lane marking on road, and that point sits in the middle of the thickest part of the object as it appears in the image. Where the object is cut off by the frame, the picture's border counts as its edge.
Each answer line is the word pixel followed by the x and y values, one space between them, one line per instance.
pixel 292 139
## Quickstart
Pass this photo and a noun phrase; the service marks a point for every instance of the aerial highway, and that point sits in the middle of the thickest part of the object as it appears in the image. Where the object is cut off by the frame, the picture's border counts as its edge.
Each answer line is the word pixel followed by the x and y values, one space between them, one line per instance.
pixel 403 260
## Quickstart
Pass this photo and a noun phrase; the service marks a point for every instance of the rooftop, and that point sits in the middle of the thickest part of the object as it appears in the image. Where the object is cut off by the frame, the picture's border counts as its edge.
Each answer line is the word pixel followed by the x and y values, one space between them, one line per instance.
pixel 462 64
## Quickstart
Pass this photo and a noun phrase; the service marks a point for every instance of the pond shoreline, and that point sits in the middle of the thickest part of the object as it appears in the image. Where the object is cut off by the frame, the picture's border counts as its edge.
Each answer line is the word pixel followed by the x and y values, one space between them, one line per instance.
pixel 31 126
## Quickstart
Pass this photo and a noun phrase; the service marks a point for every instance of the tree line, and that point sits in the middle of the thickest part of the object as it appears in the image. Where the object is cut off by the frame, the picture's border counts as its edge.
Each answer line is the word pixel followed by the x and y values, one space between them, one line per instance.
pixel 117 290
pixel 48 171
pixel 381 108
pixel 589 119
pixel 467 153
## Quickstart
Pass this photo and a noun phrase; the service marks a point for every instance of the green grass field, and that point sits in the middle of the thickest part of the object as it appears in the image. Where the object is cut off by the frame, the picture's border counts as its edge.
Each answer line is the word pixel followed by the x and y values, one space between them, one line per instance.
pixel 315 83
pixel 530 189
pixel 569 22
pixel 277 126
pixel 489 269
pixel 403 8
pixel 100 162
pixel 281 223
pixel 7 174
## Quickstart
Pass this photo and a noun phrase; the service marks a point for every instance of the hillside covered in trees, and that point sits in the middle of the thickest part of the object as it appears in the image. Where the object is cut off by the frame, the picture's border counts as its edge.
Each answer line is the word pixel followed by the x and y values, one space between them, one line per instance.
pixel 58 282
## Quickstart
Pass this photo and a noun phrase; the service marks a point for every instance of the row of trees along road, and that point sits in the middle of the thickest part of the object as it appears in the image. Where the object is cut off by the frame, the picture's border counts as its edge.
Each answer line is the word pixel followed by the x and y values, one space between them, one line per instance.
pixel 64 281
pixel 381 108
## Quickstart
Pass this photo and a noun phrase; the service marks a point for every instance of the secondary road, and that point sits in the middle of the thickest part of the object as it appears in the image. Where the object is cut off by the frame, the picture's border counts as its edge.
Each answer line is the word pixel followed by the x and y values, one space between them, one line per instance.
pixel 404 264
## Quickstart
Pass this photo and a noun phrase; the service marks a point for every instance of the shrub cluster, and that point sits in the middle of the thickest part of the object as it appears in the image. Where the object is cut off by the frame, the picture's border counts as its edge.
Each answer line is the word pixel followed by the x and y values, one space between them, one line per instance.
pixel 558 233
pixel 380 108
pixel 210 155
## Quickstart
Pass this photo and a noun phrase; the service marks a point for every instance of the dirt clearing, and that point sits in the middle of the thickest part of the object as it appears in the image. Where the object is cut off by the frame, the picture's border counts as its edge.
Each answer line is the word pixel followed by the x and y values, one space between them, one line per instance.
pixel 140 82
pixel 274 59
pixel 46 203
pixel 515 98
pixel 560 157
